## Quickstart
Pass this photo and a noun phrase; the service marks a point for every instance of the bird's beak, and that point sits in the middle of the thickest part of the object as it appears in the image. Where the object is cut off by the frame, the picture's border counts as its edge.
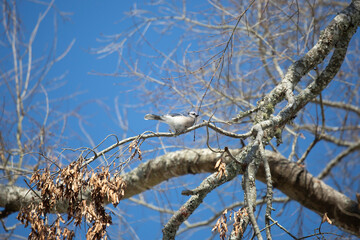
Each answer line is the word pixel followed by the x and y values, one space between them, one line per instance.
pixel 196 115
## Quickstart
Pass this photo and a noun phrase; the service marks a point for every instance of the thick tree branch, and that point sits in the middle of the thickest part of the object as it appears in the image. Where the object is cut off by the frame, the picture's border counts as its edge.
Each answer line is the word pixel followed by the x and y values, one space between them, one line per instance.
pixel 291 179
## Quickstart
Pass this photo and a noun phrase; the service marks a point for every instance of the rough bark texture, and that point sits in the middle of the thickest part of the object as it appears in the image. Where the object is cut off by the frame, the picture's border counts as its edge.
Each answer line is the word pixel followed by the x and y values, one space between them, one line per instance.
pixel 297 183
pixel 291 179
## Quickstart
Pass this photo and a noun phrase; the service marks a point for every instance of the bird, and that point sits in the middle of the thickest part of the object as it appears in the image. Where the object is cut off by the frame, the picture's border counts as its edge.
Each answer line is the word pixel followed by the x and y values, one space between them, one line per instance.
pixel 177 122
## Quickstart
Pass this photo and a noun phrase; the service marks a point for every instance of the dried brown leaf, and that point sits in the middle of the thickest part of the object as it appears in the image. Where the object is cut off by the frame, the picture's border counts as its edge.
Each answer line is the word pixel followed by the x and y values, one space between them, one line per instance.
pixel 325 218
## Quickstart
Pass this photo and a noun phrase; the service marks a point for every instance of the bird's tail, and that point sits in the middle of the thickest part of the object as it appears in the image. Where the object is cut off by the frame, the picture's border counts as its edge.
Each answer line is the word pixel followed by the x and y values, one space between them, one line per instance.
pixel 152 117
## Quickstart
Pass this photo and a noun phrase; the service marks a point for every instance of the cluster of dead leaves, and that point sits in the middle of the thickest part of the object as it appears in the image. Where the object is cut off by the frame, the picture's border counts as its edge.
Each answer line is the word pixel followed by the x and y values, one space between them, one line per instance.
pixel 135 145
pixel 102 187
pixel 39 229
pixel 221 168
pixel 83 191
pixel 221 224
pixel 239 217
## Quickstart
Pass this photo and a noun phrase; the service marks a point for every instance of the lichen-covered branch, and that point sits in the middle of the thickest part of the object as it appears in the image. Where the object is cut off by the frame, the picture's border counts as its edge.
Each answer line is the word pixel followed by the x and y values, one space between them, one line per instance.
pixel 292 179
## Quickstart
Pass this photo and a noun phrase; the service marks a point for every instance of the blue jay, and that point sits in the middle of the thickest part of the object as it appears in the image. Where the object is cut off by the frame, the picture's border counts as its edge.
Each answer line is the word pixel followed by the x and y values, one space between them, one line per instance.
pixel 178 122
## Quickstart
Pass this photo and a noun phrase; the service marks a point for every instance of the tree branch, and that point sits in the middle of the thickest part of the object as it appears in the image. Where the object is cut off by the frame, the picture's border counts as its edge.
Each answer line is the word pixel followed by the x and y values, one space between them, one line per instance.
pixel 291 179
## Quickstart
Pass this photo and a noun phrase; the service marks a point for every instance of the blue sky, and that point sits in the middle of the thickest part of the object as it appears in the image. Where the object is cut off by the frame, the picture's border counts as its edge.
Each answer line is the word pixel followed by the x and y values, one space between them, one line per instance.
pixel 87 22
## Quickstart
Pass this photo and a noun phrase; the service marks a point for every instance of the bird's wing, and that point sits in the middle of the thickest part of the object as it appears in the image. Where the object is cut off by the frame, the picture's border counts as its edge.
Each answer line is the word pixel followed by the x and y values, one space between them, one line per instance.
pixel 175 114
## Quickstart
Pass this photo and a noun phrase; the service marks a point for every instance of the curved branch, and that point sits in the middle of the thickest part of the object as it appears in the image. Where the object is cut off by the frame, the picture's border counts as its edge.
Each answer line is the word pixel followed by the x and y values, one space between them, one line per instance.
pixel 148 134
pixel 288 177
